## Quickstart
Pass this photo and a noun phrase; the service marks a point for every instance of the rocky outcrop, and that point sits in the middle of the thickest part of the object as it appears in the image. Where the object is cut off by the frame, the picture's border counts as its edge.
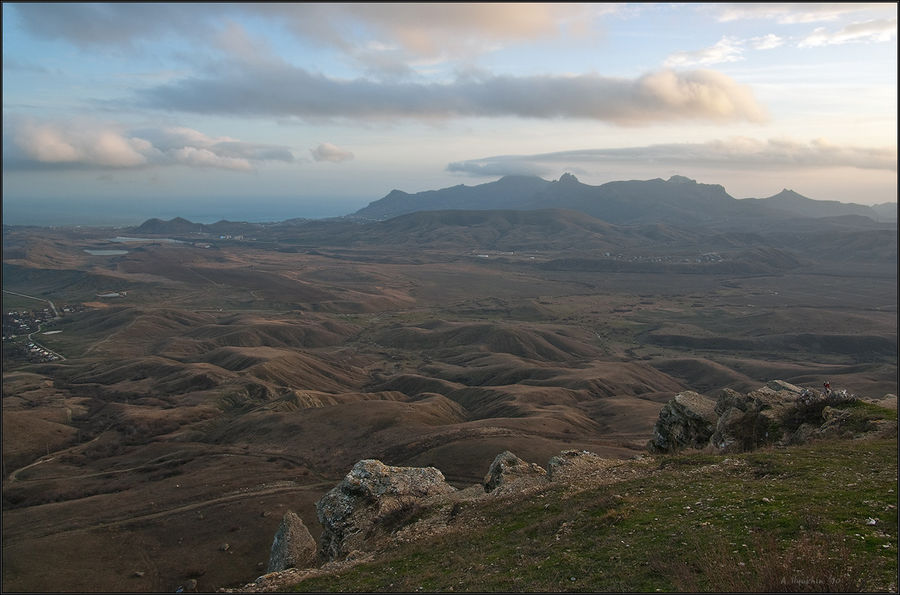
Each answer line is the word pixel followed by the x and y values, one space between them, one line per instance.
pixel 777 413
pixel 293 546
pixel 576 464
pixel 509 469
pixel 373 499
pixel 407 504
pixel 781 385
pixel 686 421
pixel 747 421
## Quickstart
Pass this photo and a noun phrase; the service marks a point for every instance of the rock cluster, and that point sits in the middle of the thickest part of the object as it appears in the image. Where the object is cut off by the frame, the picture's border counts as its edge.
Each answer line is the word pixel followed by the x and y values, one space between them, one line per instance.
pixel 736 421
pixel 375 501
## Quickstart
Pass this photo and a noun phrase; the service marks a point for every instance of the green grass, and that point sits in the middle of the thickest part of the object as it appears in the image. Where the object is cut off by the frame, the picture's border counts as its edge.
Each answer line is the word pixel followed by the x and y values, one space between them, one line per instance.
pixel 778 519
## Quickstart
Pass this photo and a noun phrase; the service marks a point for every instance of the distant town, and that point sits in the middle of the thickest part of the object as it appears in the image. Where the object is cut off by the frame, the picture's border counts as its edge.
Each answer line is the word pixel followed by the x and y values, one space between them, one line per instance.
pixel 19 326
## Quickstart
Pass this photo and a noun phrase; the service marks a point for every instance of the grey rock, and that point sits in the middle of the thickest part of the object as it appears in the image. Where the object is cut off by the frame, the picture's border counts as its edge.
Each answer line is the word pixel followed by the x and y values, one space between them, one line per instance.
pixel 508 468
pixel 688 420
pixel 293 545
pixel 570 464
pixel 781 385
pixel 371 499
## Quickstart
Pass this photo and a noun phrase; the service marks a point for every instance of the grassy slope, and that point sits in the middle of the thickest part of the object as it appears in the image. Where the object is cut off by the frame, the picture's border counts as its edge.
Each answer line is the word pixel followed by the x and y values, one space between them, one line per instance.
pixel 775 519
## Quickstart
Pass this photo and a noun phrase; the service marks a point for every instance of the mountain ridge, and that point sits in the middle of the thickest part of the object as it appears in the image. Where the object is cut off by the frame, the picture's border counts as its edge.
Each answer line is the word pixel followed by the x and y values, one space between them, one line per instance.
pixel 677 200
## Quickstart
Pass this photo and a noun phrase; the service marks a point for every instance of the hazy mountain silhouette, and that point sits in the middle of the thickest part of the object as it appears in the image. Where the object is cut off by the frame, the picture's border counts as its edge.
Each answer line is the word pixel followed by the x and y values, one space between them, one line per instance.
pixel 179 225
pixel 797 204
pixel 676 201
pixel 509 192
pixel 176 225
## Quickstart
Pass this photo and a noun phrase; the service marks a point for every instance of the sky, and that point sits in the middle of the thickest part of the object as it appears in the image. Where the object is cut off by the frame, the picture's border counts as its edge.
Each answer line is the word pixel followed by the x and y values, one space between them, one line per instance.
pixel 115 113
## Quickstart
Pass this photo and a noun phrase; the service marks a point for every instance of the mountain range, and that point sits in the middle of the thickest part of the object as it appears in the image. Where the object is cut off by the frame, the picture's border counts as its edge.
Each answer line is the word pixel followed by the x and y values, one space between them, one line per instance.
pixel 676 201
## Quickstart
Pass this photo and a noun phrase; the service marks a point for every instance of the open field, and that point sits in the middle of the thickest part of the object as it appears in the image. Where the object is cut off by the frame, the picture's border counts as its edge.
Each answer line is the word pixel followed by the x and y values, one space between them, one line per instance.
pixel 207 390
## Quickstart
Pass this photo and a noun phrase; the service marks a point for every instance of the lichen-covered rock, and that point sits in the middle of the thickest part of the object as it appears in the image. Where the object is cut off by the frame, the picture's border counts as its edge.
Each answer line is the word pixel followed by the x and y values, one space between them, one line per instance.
pixel 293 545
pixel 731 399
pixel 576 464
pixel 372 498
pixel 507 468
pixel 781 385
pixel 688 420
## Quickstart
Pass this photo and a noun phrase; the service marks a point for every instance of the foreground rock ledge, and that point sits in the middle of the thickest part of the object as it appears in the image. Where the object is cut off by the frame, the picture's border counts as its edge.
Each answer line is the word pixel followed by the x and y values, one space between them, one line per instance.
pixel 375 501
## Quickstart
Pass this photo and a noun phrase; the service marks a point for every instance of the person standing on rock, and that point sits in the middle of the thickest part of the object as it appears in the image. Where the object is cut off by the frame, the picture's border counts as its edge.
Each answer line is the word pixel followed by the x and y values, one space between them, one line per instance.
pixel 827 388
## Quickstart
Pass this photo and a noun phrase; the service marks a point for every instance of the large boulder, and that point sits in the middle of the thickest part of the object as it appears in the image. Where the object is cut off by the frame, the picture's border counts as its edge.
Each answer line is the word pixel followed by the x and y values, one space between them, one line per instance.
pixel 293 546
pixel 777 413
pixel 508 469
pixel 688 420
pixel 373 499
pixel 747 421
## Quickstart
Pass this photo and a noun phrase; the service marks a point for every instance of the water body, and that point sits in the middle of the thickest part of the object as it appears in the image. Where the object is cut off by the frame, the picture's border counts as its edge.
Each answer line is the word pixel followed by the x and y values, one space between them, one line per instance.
pixel 106 252
pixel 124 239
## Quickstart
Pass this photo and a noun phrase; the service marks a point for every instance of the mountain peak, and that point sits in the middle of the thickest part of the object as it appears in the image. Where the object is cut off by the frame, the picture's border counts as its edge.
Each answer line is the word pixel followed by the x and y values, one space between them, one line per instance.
pixel 676 179
pixel 787 193
pixel 568 178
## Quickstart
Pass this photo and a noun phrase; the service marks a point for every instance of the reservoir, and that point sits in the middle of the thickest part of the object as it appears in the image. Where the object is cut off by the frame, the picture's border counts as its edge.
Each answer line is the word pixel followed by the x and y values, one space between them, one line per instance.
pixel 106 252
pixel 127 239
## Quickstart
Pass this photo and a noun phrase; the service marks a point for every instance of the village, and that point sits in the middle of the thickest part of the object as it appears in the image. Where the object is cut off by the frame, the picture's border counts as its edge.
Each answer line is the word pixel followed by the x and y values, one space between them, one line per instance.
pixel 20 325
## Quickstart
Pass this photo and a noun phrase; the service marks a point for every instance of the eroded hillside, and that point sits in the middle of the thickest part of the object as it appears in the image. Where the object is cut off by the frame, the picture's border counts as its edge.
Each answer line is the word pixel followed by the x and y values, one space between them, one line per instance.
pixel 207 385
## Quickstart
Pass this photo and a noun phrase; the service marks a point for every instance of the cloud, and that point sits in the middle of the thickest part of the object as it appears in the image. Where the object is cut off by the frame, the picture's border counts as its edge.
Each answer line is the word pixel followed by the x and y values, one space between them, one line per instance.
pixel 329 152
pixel 288 91
pixel 436 31
pixel 102 145
pixel 735 153
pixel 194 157
pixel 499 166
pixel 727 49
pixel 430 29
pixel 113 24
pixel 78 144
pixel 766 42
pixel 869 31
pixel 792 13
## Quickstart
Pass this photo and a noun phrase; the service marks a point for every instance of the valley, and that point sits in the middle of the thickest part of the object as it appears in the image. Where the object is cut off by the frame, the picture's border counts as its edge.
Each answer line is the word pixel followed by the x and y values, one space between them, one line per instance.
pixel 211 384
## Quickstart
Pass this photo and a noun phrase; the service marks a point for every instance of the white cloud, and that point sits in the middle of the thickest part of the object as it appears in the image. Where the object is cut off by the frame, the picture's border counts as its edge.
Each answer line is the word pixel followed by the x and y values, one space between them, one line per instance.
pixel 869 31
pixel 499 166
pixel 657 96
pixel 727 49
pixel 360 30
pixel 195 157
pixel 766 42
pixel 427 29
pixel 739 153
pixel 330 152
pixel 104 145
pixel 788 13
pixel 80 143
